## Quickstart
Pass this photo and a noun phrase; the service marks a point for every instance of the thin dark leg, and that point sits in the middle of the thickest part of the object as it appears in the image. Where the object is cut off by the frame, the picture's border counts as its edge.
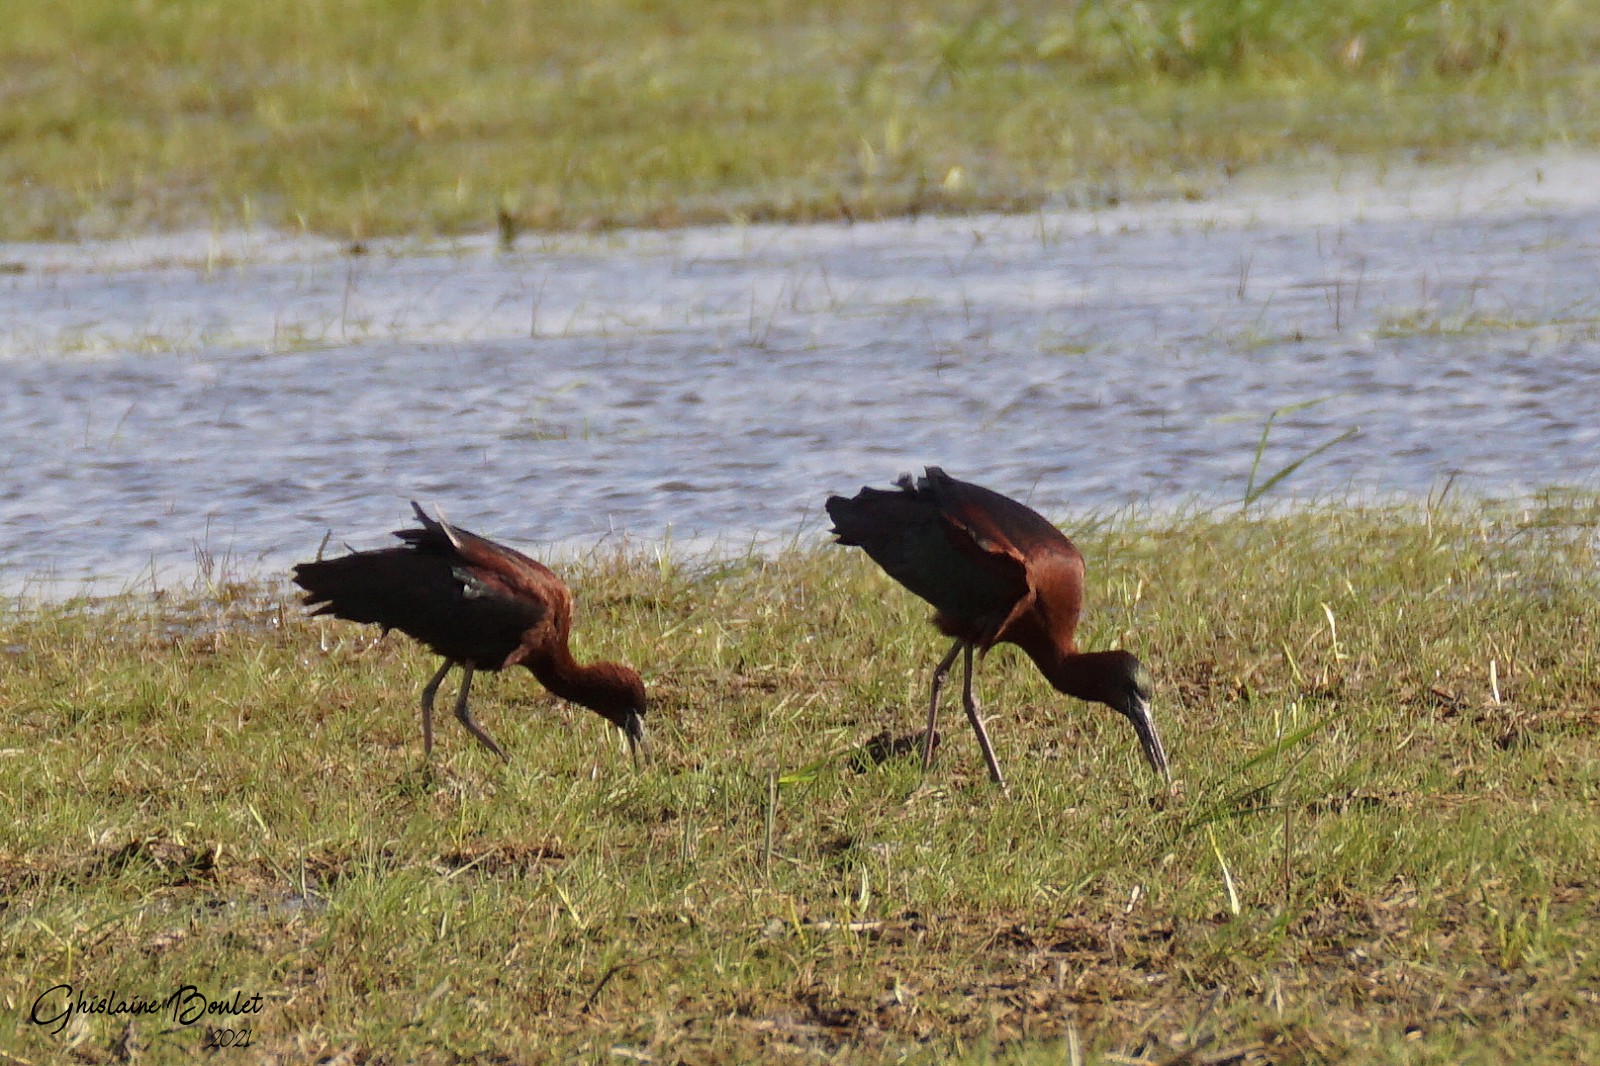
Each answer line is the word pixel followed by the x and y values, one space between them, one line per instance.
pixel 933 702
pixel 428 692
pixel 465 714
pixel 971 704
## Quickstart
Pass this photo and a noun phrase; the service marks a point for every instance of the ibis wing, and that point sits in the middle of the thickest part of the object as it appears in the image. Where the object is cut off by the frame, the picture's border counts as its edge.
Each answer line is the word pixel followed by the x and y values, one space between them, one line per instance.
pixel 444 605
pixel 983 559
pixel 907 534
pixel 998 525
pixel 466 597
pixel 388 587
pixel 490 570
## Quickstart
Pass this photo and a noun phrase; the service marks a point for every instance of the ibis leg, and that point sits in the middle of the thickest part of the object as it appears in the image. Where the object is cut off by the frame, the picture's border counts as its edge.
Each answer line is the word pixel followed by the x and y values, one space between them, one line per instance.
pixel 939 673
pixel 430 690
pixel 970 702
pixel 464 713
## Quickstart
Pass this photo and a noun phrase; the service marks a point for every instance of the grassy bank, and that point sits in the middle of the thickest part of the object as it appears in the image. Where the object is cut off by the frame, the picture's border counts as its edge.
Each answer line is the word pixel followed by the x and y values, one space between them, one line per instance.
pixel 366 117
pixel 1385 725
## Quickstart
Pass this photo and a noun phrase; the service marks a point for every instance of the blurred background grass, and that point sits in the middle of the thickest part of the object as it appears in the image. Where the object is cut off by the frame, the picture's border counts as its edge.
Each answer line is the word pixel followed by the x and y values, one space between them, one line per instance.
pixel 366 117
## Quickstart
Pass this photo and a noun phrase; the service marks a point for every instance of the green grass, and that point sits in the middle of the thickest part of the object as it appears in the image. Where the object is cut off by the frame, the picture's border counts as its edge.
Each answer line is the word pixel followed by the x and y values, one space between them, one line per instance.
pixel 1384 722
pixel 367 117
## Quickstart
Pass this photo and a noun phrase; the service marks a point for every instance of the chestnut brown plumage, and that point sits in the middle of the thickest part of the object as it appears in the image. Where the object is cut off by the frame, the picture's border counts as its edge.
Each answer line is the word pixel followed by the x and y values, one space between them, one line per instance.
pixel 998 572
pixel 482 606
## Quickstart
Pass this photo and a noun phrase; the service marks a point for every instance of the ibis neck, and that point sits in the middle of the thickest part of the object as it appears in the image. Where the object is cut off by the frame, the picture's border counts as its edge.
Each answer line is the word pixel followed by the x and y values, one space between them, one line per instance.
pixel 1068 670
pixel 566 678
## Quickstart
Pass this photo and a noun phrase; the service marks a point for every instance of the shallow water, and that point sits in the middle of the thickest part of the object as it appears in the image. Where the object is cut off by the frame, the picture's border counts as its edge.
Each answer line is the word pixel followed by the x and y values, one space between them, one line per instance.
pixel 234 397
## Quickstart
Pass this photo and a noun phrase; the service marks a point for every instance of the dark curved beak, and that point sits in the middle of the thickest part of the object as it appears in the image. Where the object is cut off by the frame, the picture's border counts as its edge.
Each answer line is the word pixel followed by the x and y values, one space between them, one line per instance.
pixel 638 743
pixel 1145 725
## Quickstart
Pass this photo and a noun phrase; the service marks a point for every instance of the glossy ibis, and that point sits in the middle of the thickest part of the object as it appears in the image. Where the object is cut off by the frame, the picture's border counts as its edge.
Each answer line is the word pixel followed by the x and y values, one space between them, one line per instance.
pixel 482 606
pixel 998 572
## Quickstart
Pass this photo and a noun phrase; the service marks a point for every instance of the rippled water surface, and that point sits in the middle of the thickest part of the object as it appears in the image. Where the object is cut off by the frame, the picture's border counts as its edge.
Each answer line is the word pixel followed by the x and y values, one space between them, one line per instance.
pixel 238 396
